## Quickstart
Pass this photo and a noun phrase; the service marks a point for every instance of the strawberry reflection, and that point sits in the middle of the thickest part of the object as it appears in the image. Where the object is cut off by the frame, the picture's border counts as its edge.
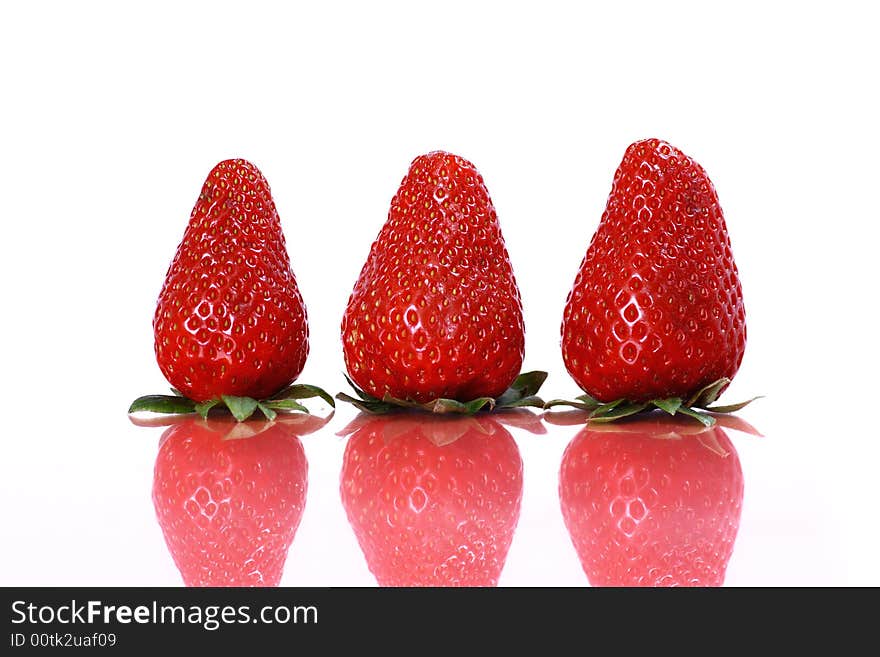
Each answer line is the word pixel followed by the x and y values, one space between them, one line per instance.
pixel 229 496
pixel 652 502
pixel 433 500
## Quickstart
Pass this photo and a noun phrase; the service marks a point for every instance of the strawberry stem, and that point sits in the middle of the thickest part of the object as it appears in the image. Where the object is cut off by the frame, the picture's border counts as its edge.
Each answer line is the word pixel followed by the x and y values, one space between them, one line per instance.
pixel 698 406
pixel 521 393
pixel 241 408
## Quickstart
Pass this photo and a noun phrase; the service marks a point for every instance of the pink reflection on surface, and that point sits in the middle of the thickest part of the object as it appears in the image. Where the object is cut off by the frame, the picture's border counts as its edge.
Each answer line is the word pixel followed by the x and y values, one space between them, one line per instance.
pixel 652 502
pixel 229 496
pixel 434 500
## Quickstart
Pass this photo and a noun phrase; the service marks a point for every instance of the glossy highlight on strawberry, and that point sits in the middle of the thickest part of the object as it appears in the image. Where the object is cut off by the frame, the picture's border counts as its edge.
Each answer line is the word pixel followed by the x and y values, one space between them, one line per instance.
pixel 656 310
pixel 436 311
pixel 432 500
pixel 652 502
pixel 230 319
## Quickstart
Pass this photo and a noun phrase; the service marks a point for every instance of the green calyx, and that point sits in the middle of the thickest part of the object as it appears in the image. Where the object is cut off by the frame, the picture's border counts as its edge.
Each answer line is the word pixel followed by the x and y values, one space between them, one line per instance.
pixel 241 408
pixel 699 406
pixel 521 393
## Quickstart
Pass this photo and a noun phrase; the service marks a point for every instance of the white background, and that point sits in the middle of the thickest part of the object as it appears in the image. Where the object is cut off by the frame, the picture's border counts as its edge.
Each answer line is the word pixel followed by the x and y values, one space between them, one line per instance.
pixel 111 117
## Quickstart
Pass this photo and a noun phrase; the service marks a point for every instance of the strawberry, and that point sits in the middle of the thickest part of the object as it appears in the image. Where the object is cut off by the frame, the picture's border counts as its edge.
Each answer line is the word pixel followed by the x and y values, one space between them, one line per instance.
pixel 230 319
pixel 436 311
pixel 229 497
pixel 652 502
pixel 433 501
pixel 656 309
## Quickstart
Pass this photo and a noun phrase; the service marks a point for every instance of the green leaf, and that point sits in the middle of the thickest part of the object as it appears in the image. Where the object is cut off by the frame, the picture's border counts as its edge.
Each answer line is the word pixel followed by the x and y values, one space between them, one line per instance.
pixel 520 393
pixel 603 409
pixel 445 406
pixel 478 404
pixel 240 407
pixel 509 396
pixel 707 394
pixel 529 383
pixel 268 412
pixel 705 418
pixel 670 405
pixel 525 385
pixel 303 391
pixel 162 404
pixel 374 406
pixel 399 403
pixel 532 400
pixel 582 402
pixel 284 405
pixel 588 400
pixel 731 408
pixel 204 408
pixel 618 411
pixel 567 402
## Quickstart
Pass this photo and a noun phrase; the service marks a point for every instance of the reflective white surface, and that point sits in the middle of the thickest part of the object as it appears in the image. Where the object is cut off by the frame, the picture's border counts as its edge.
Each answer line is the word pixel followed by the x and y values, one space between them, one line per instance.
pixel 87 517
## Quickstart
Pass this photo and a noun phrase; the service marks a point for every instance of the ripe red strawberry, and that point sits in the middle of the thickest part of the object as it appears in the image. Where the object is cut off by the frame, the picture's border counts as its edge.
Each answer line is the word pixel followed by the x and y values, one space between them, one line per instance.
pixel 230 318
pixel 652 503
pixel 436 311
pixel 229 497
pixel 656 310
pixel 432 501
